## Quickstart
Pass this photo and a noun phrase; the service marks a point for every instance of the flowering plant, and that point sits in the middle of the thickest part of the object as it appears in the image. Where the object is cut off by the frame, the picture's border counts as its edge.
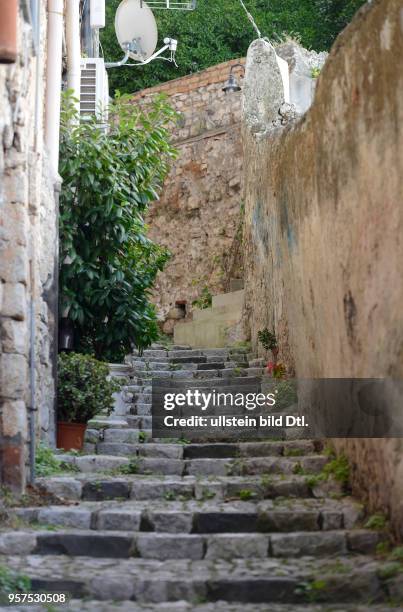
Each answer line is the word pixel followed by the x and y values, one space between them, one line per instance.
pixel 277 370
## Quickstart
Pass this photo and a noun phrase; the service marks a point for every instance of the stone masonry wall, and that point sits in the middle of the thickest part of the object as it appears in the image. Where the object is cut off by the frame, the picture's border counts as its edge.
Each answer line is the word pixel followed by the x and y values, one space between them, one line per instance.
pixel 199 214
pixel 28 259
pixel 324 224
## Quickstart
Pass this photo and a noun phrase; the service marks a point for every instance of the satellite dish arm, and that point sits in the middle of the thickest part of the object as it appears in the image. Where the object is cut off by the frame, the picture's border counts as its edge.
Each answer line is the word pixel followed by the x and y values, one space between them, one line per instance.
pixel 170 43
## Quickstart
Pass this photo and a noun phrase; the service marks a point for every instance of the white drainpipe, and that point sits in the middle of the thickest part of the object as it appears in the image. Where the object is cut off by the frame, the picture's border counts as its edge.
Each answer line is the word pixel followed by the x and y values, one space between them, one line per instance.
pixel 73 47
pixel 54 81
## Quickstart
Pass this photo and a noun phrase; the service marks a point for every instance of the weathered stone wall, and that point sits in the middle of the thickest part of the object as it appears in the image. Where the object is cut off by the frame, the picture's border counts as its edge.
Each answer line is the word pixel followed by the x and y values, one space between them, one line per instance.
pixel 28 256
pixel 324 223
pixel 199 214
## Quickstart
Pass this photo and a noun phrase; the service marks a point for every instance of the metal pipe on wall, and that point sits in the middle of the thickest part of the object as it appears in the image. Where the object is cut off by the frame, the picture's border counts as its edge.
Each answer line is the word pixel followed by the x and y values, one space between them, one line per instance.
pixel 54 81
pixel 73 47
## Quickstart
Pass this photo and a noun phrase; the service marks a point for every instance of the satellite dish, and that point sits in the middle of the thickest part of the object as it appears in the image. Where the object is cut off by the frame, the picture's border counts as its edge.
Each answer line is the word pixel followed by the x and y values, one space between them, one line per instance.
pixel 135 25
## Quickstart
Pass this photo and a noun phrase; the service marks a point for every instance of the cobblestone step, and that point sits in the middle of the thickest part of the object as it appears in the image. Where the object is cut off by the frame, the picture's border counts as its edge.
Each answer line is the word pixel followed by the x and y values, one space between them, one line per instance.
pixel 191 516
pixel 93 487
pixel 242 466
pixel 251 581
pixel 217 606
pixel 163 546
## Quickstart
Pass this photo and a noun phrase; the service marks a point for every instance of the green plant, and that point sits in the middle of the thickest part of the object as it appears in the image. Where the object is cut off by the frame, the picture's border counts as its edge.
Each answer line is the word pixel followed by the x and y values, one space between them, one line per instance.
pixel 84 389
pixel 315 72
pixel 267 339
pixel 377 522
pixel 107 263
pixel 11 582
pixel 245 494
pixel 46 462
pixel 142 437
pixel 131 468
pixel 286 393
pixel 339 468
pixel 204 300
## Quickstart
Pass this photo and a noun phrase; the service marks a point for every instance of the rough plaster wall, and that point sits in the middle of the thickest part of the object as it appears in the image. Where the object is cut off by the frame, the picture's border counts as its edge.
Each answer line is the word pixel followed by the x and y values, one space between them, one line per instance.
pixel 198 215
pixel 324 221
pixel 28 246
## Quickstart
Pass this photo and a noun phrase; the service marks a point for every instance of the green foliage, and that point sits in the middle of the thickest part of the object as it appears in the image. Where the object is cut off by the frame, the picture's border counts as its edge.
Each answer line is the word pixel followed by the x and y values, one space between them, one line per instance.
pixel 83 388
pixel 267 339
pixel 204 300
pixel 246 495
pixel 286 394
pixel 131 468
pixel 11 582
pixel 218 31
pixel 46 462
pixel 339 468
pixel 377 522
pixel 108 265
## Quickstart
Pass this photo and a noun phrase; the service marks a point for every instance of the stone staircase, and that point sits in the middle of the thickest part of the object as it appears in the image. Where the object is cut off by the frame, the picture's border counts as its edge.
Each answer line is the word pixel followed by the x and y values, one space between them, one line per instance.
pixel 171 526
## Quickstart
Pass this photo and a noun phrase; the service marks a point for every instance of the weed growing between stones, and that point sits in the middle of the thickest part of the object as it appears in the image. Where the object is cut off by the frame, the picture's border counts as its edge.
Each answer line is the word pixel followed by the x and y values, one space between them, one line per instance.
pixel 11 582
pixel 377 522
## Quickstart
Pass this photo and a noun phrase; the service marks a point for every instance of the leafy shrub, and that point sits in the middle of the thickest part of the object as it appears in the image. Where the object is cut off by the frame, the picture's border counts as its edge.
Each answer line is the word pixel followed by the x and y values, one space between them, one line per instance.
pixel 204 300
pixel 83 388
pixel 46 462
pixel 286 394
pixel 108 264
pixel 267 339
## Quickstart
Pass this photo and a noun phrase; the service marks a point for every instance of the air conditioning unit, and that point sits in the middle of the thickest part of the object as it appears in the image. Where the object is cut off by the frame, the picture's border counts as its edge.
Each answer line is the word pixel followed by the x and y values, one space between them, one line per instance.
pixel 94 90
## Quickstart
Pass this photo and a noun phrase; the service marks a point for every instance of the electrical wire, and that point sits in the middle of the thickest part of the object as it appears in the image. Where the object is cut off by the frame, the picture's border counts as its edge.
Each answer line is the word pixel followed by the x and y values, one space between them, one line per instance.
pixel 249 16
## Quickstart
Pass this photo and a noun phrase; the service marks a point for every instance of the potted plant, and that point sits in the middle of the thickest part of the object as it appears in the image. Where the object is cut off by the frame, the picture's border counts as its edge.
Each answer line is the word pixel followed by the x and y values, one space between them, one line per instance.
pixel 84 390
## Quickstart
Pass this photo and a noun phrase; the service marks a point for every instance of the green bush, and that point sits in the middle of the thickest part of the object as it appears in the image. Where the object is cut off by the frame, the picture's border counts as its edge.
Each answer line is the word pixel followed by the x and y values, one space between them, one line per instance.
pixel 46 462
pixel 107 262
pixel 83 388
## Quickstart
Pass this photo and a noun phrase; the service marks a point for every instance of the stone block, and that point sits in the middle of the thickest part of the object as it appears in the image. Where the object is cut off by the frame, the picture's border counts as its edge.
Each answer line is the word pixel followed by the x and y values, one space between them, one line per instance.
pixel 119 519
pixel 127 436
pixel 166 451
pixel 171 521
pixel 14 264
pixel 308 544
pixel 163 546
pixel 237 546
pixel 161 466
pixel 363 541
pixel 14 336
pixel 14 301
pixel 99 490
pixel 14 419
pixel 17 543
pixel 88 544
pixel 99 463
pixel 206 467
pixel 13 375
pixel 64 487
pixel 65 517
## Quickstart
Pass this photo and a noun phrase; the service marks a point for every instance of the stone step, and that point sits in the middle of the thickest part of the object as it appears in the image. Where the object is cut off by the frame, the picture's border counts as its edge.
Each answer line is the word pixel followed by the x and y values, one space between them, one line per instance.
pixel 215 365
pixel 242 466
pixel 101 488
pixel 217 606
pixel 189 359
pixel 203 517
pixel 253 581
pixel 164 546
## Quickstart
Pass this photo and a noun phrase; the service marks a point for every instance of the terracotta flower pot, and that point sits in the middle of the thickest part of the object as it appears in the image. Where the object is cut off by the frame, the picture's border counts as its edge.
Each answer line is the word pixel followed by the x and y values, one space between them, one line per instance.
pixel 70 436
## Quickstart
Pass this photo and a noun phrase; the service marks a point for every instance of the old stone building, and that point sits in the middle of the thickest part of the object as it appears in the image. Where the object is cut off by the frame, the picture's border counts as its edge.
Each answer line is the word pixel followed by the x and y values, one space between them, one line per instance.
pixel 199 215
pixel 28 253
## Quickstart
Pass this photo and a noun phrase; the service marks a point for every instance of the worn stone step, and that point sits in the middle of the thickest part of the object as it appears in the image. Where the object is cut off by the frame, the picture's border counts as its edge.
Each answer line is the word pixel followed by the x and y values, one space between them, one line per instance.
pixel 139 421
pixel 253 581
pixel 101 488
pixel 166 451
pixel 242 466
pixel 163 546
pixel 233 516
pixel 200 359
pixel 213 365
pixel 217 606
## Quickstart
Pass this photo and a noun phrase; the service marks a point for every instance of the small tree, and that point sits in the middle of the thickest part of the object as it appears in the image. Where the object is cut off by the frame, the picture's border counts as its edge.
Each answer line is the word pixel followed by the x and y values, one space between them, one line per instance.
pixel 107 262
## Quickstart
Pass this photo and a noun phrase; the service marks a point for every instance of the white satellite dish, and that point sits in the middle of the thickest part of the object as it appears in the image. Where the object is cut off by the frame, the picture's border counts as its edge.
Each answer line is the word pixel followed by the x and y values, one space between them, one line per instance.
pixel 135 25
